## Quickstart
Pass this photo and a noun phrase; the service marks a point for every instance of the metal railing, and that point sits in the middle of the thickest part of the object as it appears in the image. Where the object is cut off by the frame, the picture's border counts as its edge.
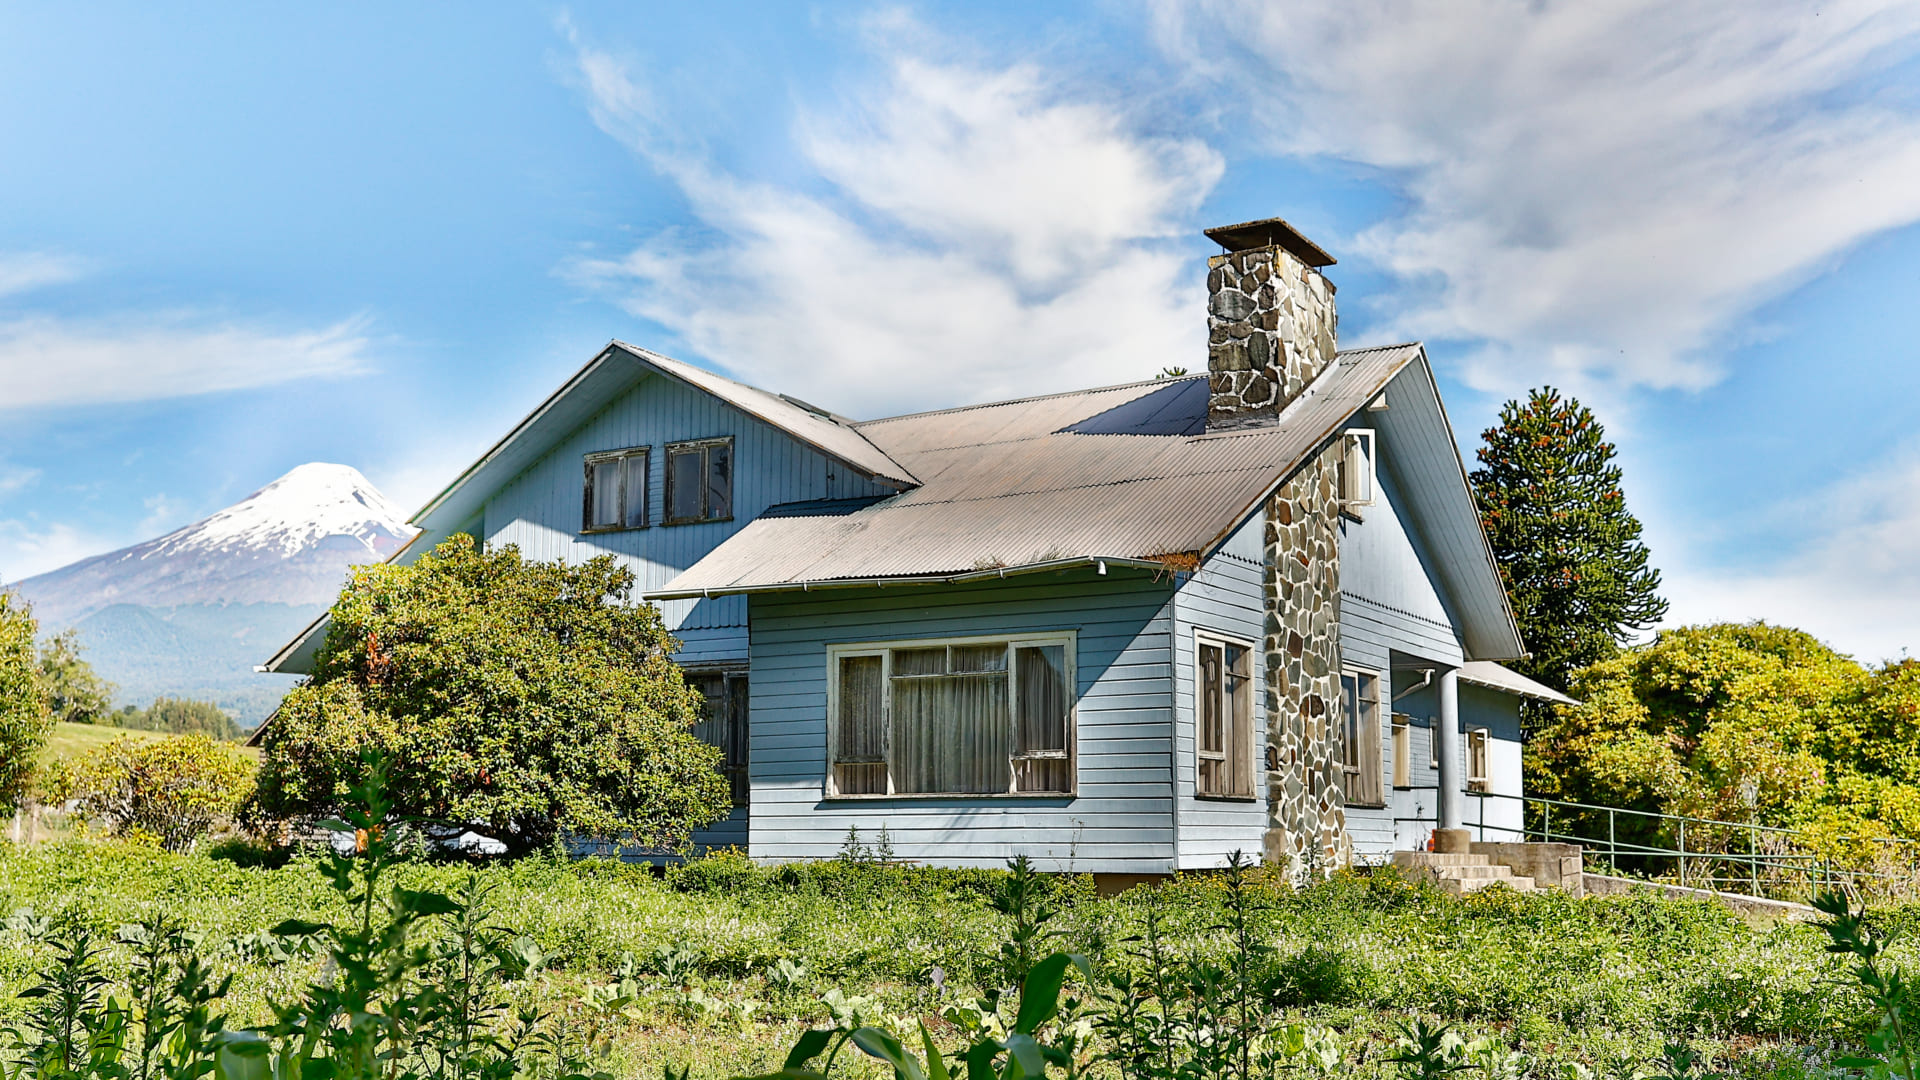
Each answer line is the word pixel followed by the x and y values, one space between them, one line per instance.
pixel 1704 853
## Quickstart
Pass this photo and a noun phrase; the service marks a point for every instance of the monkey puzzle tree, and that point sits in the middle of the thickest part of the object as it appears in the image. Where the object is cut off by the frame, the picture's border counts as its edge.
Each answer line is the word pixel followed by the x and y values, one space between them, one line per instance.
pixel 1568 550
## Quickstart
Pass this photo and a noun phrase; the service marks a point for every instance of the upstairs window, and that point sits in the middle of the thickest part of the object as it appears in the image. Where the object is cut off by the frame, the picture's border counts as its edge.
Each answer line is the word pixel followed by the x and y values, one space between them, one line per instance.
pixel 616 491
pixel 1224 709
pixel 1356 469
pixel 723 723
pixel 700 481
pixel 1359 737
pixel 964 717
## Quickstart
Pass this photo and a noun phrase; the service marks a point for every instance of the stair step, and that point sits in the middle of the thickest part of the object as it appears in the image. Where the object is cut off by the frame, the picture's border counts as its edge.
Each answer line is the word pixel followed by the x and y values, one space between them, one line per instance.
pixel 1410 859
pixel 1462 886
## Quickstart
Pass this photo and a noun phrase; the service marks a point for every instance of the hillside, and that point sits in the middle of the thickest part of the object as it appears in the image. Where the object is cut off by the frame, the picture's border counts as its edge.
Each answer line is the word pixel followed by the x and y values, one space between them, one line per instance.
pixel 190 613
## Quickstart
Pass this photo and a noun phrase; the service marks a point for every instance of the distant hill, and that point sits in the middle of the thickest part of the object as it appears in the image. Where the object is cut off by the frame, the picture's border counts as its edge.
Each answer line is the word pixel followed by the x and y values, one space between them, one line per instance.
pixel 190 613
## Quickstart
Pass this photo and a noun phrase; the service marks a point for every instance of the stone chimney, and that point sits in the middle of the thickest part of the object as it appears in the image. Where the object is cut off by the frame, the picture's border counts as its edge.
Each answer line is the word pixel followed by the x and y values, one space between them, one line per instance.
pixel 1270 321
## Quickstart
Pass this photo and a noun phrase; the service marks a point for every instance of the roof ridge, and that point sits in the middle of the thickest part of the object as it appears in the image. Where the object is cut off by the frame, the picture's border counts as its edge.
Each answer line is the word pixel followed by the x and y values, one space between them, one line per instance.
pixel 1166 381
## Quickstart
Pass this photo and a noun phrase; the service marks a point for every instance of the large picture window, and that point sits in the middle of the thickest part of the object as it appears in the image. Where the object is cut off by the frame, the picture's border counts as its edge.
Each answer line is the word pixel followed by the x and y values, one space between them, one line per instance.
pixel 616 491
pixel 1359 737
pixel 1223 743
pixel 699 481
pixel 723 723
pixel 977 716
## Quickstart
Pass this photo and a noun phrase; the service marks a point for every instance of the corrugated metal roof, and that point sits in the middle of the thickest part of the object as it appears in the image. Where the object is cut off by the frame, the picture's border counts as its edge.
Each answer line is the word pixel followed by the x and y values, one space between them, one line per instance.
pixel 1497 677
pixel 1028 482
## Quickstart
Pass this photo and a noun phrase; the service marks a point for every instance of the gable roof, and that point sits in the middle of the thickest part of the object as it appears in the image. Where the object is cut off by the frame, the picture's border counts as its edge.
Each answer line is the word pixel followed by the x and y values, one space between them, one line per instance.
pixel 1125 474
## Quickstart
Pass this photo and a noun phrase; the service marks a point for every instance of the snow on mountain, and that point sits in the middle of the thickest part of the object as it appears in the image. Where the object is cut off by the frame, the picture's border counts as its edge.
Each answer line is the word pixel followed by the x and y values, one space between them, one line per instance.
pixel 291 542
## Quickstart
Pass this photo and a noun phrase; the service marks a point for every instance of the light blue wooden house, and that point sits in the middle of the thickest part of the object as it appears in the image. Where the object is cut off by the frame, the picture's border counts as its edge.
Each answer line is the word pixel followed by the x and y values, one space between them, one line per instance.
pixel 1126 630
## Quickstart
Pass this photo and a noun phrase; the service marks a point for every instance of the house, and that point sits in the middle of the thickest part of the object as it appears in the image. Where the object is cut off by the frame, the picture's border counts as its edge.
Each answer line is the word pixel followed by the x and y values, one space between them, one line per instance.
pixel 1124 630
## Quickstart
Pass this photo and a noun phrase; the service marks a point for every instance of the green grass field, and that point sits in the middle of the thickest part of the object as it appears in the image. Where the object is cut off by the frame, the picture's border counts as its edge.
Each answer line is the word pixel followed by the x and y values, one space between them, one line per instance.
pixel 74 740
pixel 733 960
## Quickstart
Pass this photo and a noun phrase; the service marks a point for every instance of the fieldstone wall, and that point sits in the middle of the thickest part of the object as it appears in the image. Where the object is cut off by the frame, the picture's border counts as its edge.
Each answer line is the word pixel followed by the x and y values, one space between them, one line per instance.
pixel 1271 325
pixel 1306 801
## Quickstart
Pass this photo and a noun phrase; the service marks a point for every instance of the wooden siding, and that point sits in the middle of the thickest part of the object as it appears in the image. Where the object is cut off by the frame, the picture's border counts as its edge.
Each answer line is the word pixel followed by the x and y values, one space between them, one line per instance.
pixel 1224 598
pixel 1121 818
pixel 540 509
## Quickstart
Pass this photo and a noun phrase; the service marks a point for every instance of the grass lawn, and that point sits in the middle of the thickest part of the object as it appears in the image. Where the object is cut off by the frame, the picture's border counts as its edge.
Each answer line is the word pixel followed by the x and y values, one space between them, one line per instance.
pixel 732 961
pixel 73 740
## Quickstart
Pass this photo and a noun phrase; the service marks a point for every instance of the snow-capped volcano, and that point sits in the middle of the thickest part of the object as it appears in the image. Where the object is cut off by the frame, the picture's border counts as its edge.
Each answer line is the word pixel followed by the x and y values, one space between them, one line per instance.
pixel 291 542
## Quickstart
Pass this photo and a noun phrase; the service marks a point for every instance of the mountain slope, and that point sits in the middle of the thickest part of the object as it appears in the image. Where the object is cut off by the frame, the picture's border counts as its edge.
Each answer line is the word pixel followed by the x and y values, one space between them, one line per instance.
pixel 189 613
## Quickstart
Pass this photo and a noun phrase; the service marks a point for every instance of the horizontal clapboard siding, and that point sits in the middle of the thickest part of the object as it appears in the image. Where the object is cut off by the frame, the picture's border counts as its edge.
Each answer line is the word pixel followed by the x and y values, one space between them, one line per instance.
pixel 1121 819
pixel 1223 598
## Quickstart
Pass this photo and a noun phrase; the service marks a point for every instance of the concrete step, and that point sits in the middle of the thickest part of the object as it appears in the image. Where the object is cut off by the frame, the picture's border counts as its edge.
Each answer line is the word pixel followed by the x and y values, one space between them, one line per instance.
pixel 1412 859
pixel 1461 873
pixel 1462 886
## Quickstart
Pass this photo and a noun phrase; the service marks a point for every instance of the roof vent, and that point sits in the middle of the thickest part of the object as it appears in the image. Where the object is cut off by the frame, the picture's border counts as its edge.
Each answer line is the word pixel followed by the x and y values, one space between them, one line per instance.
pixel 1271 232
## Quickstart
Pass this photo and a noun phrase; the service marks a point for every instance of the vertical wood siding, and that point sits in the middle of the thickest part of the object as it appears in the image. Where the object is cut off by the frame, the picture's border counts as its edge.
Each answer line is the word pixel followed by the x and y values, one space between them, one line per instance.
pixel 1120 820
pixel 1224 598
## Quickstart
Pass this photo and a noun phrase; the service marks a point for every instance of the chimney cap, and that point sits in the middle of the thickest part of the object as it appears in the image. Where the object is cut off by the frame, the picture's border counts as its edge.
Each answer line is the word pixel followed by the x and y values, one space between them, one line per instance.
pixel 1271 232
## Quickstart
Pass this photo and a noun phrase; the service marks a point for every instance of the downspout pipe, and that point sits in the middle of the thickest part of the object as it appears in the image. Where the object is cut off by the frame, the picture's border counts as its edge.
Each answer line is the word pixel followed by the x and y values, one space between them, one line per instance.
pixel 1447 730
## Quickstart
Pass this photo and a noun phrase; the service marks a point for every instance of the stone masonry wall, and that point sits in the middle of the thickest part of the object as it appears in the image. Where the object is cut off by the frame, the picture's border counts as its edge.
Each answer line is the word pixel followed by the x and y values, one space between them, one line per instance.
pixel 1271 325
pixel 1306 801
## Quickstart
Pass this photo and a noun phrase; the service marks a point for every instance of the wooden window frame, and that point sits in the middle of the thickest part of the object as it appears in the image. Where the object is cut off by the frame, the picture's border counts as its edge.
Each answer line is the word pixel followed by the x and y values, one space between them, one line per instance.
pixel 1069 640
pixel 1358 445
pixel 627 456
pixel 703 447
pixel 1479 744
pixel 1402 736
pixel 1360 765
pixel 1202 640
pixel 739 776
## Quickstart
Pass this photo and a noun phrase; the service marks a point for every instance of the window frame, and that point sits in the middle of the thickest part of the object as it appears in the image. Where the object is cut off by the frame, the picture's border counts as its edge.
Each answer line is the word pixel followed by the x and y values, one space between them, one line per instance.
pixel 1360 767
pixel 1068 639
pixel 703 447
pixel 626 456
pixel 1402 742
pixel 1203 639
pixel 1479 744
pixel 1349 439
pixel 739 776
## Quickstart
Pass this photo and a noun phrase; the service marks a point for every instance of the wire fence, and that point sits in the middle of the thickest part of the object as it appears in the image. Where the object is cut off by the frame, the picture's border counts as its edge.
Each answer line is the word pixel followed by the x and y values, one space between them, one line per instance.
pixel 1747 858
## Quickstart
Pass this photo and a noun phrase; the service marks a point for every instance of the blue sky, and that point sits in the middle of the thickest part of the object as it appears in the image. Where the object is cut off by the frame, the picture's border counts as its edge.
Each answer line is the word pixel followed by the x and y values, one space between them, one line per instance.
pixel 236 239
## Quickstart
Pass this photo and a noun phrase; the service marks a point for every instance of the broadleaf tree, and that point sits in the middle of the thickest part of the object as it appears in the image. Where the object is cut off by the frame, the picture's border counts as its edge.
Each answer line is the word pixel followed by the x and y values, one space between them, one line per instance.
pixel 525 700
pixel 1550 496
pixel 75 692
pixel 25 722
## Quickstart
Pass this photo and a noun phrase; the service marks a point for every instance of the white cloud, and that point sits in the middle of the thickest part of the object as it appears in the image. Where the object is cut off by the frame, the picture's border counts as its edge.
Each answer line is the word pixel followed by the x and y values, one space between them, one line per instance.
pixel 16 478
pixel 1594 192
pixel 1855 584
pixel 30 547
pixel 46 361
pixel 24 271
pixel 985 232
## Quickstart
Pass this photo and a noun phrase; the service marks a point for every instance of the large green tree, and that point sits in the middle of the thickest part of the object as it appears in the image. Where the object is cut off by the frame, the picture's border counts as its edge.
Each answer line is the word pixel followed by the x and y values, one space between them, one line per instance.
pixel 1568 550
pixel 525 700
pixel 25 722
pixel 179 716
pixel 75 692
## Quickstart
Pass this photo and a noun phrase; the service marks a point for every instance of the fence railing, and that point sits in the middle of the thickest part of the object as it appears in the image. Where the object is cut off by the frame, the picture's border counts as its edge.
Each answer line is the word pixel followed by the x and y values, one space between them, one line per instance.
pixel 1725 856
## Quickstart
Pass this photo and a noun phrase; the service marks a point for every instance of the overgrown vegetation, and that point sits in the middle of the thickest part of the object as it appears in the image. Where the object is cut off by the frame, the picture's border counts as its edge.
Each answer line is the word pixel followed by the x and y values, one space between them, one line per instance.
pixel 521 700
pixel 169 791
pixel 179 716
pixel 25 721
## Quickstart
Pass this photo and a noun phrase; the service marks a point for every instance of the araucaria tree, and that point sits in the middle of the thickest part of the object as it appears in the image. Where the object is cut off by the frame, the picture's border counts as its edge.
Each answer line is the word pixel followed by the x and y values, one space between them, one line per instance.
pixel 1569 552
pixel 24 720
pixel 524 700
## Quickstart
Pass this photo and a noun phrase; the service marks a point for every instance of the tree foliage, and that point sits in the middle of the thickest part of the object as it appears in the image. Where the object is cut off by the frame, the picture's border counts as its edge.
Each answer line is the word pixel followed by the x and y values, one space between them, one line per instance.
pixel 522 699
pixel 1568 550
pixel 1740 722
pixel 75 692
pixel 25 721
pixel 170 791
pixel 179 716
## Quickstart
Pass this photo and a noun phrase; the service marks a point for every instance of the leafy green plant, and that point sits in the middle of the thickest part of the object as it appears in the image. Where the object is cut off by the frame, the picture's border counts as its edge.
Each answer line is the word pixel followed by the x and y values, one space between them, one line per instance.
pixel 1893 1047
pixel 171 791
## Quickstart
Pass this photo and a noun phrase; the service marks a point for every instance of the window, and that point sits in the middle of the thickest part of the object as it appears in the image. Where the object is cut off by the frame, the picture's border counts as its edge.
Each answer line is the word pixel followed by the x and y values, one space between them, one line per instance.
pixel 1356 469
pixel 1224 707
pixel 723 723
pixel 699 481
pixel 616 492
pixel 965 717
pixel 1477 760
pixel 1359 737
pixel 1402 751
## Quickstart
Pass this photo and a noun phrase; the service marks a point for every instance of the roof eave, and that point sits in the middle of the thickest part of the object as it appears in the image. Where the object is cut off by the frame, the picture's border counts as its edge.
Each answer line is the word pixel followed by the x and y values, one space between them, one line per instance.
pixel 957 578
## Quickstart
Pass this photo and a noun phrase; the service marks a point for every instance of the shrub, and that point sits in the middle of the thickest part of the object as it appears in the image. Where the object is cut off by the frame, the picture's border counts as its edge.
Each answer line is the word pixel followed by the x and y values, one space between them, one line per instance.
pixel 24 720
pixel 170 790
pixel 1321 975
pixel 180 716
